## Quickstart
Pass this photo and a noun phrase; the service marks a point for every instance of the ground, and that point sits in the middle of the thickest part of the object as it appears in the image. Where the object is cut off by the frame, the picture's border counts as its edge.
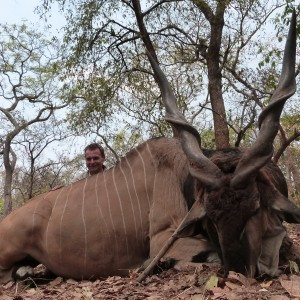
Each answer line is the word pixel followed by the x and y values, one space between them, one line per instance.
pixel 188 282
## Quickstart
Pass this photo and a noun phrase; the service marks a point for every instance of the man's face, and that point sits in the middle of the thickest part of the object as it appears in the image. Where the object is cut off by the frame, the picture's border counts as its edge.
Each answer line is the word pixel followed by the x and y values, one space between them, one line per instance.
pixel 94 161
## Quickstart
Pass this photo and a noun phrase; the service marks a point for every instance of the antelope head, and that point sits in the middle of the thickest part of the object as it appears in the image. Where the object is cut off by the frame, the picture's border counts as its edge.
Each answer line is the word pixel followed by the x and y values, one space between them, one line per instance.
pixel 234 202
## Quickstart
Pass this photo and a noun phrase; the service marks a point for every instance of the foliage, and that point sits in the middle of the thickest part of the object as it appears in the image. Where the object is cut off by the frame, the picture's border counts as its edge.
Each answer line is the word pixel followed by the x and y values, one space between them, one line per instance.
pixel 90 103
pixel 106 56
pixel 207 139
pixel 58 171
pixel 1 206
pixel 114 85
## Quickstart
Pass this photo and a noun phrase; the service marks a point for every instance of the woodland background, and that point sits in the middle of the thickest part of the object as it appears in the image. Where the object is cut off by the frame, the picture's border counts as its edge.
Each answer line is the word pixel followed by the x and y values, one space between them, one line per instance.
pixel 93 82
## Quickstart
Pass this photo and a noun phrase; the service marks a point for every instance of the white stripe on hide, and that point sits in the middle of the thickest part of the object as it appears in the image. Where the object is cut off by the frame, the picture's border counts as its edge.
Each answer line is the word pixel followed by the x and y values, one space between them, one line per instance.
pixel 122 212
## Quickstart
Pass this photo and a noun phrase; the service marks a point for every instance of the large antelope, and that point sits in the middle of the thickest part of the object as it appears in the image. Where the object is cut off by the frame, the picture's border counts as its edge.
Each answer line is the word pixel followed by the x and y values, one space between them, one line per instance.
pixel 109 223
pixel 244 195
pixel 112 222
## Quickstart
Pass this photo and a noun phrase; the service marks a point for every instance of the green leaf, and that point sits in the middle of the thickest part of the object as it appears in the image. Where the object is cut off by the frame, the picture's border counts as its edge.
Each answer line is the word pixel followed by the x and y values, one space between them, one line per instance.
pixel 212 282
pixel 293 267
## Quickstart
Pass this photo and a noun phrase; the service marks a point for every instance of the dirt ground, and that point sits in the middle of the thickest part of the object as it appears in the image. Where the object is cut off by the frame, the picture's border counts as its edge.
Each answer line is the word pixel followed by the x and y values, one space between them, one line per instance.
pixel 196 283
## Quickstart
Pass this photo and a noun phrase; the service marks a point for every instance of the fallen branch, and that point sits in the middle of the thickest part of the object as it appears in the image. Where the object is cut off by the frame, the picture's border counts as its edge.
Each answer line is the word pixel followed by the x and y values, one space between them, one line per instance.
pixel 194 214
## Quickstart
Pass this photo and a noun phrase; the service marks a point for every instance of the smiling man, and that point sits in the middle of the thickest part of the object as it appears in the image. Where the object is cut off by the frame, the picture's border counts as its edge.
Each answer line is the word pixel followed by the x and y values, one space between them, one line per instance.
pixel 94 158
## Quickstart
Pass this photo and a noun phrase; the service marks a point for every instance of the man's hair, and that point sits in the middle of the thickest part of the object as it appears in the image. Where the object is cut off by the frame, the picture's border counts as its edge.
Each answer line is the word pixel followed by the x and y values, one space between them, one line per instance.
pixel 94 146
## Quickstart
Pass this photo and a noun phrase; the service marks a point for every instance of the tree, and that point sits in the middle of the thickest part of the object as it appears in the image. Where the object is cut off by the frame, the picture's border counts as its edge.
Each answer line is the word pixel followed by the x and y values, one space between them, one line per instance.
pixel 35 140
pixel 57 171
pixel 201 41
pixel 29 89
pixel 214 67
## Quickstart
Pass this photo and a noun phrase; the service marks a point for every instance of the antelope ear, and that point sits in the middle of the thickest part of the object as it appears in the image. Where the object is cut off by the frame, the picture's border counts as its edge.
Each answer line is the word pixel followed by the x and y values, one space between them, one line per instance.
pixel 187 226
pixel 290 211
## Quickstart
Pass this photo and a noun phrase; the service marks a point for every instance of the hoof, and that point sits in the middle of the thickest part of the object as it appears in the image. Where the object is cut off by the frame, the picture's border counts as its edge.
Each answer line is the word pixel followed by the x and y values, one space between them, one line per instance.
pixel 213 257
pixel 22 273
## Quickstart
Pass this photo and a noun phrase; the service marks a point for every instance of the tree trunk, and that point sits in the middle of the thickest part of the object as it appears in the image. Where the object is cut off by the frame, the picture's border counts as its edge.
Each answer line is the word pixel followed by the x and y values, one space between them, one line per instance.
pixel 7 192
pixel 217 103
pixel 9 170
pixel 214 69
pixel 293 170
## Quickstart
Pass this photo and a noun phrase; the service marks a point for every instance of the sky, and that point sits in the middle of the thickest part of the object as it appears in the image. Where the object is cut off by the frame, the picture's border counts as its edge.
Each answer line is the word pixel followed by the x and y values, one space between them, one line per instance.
pixel 18 11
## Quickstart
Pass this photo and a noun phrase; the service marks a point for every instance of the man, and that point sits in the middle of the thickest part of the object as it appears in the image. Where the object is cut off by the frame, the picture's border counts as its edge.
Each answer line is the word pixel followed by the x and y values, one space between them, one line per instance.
pixel 94 158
